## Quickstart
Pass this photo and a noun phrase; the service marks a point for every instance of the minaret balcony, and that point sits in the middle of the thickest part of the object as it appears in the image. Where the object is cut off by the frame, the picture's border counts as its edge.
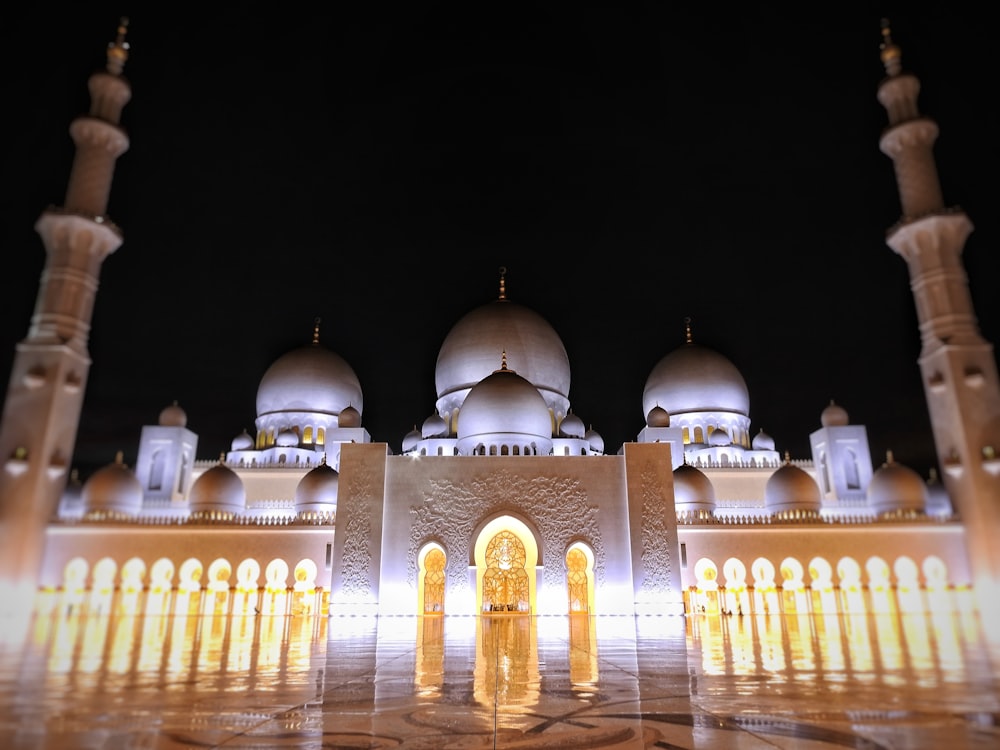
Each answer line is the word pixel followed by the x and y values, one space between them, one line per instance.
pixel 991 461
pixel 953 465
pixel 17 464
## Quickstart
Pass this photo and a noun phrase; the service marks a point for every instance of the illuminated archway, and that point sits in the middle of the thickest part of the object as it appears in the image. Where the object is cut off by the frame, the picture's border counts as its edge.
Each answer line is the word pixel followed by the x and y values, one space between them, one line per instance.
pixel 936 584
pixel 908 593
pixel 431 564
pixel 247 586
pixel 275 587
pixel 706 574
pixel 737 600
pixel 103 586
pixel 580 578
pixel 852 595
pixel 217 588
pixel 188 586
pixel 161 583
pixel 879 584
pixel 506 555
pixel 793 587
pixel 765 590
pixel 304 588
pixel 133 581
pixel 824 596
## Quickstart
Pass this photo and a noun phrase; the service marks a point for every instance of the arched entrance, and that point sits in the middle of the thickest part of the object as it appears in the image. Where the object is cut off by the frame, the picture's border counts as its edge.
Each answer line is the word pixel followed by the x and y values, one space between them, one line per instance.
pixel 580 578
pixel 506 556
pixel 430 587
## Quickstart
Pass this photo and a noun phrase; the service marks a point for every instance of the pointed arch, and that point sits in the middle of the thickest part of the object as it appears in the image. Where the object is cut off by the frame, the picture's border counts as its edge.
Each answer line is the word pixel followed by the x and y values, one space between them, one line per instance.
pixel 580 578
pixel 506 560
pixel 432 563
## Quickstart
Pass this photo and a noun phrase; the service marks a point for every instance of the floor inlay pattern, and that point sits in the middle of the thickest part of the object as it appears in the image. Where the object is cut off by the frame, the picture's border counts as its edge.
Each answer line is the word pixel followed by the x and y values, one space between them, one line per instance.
pixel 503 681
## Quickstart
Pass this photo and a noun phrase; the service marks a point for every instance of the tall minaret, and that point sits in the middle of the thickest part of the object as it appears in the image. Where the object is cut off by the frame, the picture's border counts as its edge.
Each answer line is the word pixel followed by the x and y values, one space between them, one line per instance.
pixel 958 366
pixel 49 375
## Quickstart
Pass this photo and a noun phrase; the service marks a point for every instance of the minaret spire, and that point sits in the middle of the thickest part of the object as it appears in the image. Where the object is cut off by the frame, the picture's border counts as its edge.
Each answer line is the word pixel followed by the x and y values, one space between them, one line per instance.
pixel 503 284
pixel 49 374
pixel 957 365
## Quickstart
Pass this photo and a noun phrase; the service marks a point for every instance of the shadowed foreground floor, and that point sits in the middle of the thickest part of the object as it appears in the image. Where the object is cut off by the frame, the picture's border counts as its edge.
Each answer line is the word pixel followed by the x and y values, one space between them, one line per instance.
pixel 511 681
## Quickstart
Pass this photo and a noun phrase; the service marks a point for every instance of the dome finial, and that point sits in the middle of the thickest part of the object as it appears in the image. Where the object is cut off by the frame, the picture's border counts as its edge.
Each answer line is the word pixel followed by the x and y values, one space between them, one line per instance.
pixel 316 330
pixel 889 458
pixel 119 458
pixel 687 329
pixel 503 360
pixel 891 54
pixel 503 285
pixel 118 50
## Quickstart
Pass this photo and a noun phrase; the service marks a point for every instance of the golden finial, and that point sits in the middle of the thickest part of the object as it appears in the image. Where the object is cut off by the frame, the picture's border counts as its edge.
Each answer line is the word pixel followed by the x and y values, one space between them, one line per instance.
pixel 889 459
pixel 118 49
pixel 119 458
pixel 687 330
pixel 503 285
pixel 503 360
pixel 316 330
pixel 891 54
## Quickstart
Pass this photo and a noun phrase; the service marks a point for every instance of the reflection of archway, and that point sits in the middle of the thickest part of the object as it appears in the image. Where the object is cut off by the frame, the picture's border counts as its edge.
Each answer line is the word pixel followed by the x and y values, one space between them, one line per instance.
pixel 430 586
pixel 580 578
pixel 506 555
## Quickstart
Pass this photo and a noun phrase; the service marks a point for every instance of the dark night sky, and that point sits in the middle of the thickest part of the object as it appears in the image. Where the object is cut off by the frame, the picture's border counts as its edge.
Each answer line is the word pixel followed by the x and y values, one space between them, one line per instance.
pixel 630 164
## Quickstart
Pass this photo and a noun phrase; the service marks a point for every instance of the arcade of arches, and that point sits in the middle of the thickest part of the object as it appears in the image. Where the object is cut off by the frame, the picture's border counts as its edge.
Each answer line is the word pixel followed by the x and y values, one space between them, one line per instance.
pixel 506 559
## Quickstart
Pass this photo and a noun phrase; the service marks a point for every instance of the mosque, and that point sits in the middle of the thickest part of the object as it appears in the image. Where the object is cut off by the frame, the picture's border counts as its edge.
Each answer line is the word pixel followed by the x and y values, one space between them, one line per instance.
pixel 502 501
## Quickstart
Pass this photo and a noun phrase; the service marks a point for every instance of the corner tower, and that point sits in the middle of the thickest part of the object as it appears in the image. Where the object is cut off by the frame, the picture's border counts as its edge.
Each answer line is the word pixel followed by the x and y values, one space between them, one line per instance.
pixel 957 365
pixel 48 378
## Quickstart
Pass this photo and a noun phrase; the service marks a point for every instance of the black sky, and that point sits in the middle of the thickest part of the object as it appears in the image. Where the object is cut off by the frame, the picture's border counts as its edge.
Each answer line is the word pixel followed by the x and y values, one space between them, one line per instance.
pixel 630 165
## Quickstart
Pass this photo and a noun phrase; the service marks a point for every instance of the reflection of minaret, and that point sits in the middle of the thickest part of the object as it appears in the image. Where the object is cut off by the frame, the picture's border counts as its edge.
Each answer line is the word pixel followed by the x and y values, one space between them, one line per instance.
pixel 958 366
pixel 48 378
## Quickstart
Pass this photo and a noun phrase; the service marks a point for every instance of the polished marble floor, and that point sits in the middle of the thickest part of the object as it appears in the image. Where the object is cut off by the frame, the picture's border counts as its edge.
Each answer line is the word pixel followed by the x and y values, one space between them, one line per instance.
pixel 505 681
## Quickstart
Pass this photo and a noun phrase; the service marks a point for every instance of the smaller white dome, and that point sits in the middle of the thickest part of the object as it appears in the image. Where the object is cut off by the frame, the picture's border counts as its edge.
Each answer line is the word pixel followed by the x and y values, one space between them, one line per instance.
pixel 287 439
pixel 791 488
pixel 693 491
pixel 411 439
pixel 897 488
pixel 113 489
pixel 242 442
pixel 434 427
pixel 504 408
pixel 572 426
pixel 762 442
pixel 658 417
pixel 218 489
pixel 349 417
pixel 719 438
pixel 595 439
pixel 834 416
pixel 317 490
pixel 173 416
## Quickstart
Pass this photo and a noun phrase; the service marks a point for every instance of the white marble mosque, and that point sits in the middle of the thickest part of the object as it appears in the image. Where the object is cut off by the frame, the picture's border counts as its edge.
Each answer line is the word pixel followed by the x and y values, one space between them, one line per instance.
pixel 506 579
pixel 502 501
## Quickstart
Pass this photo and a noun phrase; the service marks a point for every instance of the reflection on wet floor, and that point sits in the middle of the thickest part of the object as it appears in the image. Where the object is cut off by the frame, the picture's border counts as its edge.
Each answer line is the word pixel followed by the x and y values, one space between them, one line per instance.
pixel 875 681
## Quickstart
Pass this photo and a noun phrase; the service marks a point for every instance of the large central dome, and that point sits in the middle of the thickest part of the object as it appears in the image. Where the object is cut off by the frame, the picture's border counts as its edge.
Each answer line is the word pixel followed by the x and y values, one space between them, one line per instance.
pixel 309 379
pixel 695 378
pixel 474 345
